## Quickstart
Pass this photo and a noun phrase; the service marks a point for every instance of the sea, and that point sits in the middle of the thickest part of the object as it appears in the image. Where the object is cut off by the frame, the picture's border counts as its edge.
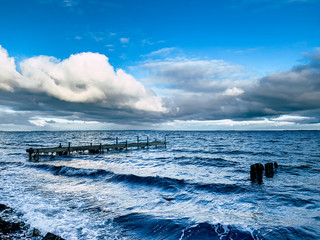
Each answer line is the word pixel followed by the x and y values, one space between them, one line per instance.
pixel 197 187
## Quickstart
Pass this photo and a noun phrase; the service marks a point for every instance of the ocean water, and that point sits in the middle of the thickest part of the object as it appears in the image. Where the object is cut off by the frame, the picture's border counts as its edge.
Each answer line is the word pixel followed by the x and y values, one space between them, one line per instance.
pixel 196 188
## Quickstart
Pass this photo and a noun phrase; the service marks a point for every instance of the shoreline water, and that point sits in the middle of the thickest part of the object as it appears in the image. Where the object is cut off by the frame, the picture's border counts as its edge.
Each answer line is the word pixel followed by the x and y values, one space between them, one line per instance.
pixel 197 188
pixel 13 227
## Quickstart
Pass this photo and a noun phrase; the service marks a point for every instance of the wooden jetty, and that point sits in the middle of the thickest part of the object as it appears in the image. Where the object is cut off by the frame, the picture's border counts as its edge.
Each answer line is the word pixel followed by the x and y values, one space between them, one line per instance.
pixel 34 153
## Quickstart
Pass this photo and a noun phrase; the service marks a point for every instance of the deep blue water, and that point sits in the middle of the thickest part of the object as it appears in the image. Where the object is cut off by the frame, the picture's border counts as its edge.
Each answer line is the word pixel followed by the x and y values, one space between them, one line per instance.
pixel 196 188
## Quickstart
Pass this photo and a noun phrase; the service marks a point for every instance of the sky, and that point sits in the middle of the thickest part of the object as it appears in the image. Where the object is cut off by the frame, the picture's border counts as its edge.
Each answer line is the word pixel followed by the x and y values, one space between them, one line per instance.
pixel 167 65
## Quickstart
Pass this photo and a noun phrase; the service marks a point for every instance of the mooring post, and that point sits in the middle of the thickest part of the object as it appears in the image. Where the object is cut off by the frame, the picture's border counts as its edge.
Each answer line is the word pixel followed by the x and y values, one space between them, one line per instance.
pixel 30 151
pixel 59 153
pixel 69 144
pixel 147 142
pixel 126 144
pixel 138 141
pixel 260 168
pixel 256 172
pixel 269 170
pixel 116 148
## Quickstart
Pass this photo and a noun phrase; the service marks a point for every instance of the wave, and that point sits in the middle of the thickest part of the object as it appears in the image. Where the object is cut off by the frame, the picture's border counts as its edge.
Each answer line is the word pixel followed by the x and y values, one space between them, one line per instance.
pixel 284 233
pixel 72 172
pixel 169 184
pixel 18 164
pixel 144 226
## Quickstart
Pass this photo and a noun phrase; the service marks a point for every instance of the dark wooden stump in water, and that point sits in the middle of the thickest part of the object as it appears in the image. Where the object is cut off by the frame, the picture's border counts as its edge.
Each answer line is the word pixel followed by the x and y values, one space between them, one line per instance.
pixel 256 172
pixel 269 170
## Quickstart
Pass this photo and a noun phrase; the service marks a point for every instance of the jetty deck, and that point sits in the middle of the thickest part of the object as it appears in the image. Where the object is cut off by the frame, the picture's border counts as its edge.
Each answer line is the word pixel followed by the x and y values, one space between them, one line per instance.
pixel 34 153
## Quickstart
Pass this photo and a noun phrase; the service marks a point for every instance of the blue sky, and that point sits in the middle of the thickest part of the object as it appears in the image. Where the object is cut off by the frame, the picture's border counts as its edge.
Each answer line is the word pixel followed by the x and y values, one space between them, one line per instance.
pixel 173 54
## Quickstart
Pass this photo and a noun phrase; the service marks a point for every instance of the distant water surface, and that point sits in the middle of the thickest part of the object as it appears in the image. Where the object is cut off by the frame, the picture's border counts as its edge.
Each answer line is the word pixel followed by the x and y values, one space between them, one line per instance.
pixel 196 188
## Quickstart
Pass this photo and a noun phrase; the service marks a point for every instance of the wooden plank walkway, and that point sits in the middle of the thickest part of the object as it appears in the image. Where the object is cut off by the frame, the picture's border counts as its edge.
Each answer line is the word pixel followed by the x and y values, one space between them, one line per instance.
pixel 34 153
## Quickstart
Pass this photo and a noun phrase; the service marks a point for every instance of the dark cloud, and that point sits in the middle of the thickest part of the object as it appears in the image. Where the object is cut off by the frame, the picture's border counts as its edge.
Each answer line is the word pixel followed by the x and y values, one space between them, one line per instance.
pixel 289 91
pixel 296 91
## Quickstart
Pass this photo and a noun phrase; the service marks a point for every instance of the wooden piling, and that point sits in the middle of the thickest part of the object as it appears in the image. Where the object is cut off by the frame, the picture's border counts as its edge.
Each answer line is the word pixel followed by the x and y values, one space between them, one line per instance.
pixel 31 151
pixel 269 170
pixel 256 172
pixel 69 145
pixel 260 168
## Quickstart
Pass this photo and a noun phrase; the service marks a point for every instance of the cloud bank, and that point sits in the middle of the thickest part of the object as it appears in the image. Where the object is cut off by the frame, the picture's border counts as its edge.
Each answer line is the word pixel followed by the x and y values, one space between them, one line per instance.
pixel 85 87
pixel 214 89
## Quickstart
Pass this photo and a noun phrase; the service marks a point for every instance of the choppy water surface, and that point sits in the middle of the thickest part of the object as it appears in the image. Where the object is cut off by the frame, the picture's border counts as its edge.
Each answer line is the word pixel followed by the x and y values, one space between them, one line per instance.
pixel 196 188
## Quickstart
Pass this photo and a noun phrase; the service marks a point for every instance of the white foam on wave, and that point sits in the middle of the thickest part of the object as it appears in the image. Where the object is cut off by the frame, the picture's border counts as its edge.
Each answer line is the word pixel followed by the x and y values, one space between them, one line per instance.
pixel 67 171
pixel 50 213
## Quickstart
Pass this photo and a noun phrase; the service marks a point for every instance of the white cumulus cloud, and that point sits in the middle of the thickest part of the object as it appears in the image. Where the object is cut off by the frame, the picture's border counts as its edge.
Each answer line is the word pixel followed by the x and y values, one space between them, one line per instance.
pixel 85 77
pixel 9 77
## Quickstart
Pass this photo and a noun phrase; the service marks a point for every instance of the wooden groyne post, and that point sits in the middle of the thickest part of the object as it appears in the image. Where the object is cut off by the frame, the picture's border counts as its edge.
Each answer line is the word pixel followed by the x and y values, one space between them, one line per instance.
pixel 256 171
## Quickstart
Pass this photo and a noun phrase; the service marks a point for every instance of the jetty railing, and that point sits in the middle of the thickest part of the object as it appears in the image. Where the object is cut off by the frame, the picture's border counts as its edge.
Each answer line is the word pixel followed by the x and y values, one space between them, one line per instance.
pixel 34 153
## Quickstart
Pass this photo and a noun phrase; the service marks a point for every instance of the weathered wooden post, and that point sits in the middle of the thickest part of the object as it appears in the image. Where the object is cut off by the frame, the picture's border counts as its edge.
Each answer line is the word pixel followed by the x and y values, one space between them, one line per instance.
pixel 138 141
pixel 147 142
pixel 59 153
pixel 116 148
pixel 275 165
pixel 126 144
pixel 256 172
pixel 260 168
pixel 100 148
pixel 36 156
pixel 30 151
pixel 269 170
pixel 69 144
